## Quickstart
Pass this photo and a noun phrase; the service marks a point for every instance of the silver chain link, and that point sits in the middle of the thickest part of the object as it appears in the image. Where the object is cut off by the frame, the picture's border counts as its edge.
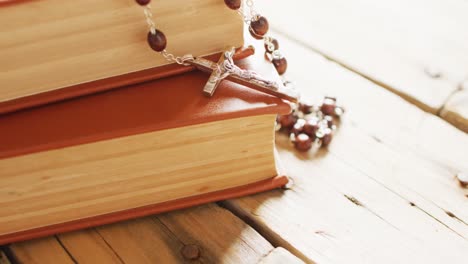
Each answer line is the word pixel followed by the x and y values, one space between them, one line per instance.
pixel 254 16
pixel 149 19
pixel 182 60
pixel 177 59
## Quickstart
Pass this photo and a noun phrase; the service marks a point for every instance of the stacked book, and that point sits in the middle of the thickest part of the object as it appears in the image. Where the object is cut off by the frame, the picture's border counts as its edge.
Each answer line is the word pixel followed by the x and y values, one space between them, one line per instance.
pixel 97 128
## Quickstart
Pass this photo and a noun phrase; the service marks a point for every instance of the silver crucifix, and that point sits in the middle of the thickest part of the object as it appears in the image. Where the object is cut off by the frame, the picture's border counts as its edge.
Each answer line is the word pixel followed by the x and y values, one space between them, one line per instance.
pixel 226 69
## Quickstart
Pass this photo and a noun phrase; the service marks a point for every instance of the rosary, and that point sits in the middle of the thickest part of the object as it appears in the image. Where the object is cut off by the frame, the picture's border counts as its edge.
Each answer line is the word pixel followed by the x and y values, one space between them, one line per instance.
pixel 306 125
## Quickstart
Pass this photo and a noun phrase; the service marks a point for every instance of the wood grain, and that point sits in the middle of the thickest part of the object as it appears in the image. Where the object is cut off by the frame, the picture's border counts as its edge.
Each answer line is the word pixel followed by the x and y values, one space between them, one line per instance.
pixel 82 181
pixel 280 255
pixel 82 41
pixel 218 235
pixel 87 246
pixel 455 109
pixel 43 250
pixel 415 49
pixel 384 191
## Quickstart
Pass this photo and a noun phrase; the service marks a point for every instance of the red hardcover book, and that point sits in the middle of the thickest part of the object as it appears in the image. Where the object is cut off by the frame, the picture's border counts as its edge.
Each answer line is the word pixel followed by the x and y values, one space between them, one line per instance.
pixel 113 154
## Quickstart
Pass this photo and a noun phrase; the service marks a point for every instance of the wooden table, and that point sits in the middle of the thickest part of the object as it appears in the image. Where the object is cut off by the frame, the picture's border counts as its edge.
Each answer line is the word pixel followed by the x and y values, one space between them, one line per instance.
pixel 385 191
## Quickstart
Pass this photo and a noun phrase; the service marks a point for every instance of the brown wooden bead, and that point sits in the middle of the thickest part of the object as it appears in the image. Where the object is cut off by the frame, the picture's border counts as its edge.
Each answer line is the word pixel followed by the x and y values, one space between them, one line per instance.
pixel 143 2
pixel 298 127
pixel 157 41
pixel 281 65
pixel 287 121
pixel 259 27
pixel 328 106
pixel 329 120
pixel 303 142
pixel 233 4
pixel 305 108
pixel 327 137
pixel 275 44
pixel 311 126
pixel 254 35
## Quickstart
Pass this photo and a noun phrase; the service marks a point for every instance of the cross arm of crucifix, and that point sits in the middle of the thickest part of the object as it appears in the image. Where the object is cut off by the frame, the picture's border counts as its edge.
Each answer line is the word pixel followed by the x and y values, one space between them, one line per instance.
pixel 226 69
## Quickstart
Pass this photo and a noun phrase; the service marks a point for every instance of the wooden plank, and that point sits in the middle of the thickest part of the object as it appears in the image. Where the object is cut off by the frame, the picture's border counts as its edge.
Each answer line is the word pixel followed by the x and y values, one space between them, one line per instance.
pixel 87 246
pixel 280 255
pixel 385 191
pixel 3 258
pixel 455 110
pixel 220 236
pixel 416 49
pixel 44 250
pixel 205 234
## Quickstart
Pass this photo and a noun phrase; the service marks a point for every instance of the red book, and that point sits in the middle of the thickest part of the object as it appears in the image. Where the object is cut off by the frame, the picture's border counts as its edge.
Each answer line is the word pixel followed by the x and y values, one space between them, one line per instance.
pixel 135 150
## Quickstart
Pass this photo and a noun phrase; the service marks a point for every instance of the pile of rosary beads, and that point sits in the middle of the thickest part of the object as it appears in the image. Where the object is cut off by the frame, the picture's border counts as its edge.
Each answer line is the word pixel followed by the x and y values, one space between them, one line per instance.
pixel 310 124
pixel 307 124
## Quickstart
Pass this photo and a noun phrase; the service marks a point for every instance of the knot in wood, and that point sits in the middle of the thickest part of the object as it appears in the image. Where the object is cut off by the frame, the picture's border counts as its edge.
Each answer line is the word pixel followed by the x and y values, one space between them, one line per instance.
pixel 190 252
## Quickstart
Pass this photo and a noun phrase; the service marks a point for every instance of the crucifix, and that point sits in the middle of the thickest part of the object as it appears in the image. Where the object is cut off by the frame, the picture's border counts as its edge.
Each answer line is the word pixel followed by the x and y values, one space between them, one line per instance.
pixel 226 69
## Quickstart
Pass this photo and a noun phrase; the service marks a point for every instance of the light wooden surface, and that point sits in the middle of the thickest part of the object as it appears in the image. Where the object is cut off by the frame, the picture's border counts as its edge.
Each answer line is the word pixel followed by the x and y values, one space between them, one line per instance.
pixel 386 190
pixel 280 255
pixel 50 44
pixel 416 49
pixel 455 110
pixel 217 235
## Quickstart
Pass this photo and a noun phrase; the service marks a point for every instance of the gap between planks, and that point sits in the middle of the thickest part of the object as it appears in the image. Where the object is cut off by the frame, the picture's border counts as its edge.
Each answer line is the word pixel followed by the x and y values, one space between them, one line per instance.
pixel 182 236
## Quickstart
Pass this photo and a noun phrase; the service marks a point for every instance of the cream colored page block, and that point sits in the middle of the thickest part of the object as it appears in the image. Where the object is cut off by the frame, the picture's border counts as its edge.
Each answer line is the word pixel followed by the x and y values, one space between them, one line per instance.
pixel 92 179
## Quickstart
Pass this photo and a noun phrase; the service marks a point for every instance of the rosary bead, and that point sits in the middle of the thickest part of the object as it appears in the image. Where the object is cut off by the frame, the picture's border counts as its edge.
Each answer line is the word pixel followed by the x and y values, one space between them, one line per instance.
pixel 157 41
pixel 275 46
pixel 143 2
pixel 339 111
pixel 281 65
pixel 327 137
pixel 311 126
pixel 305 108
pixel 259 27
pixel 233 4
pixel 298 127
pixel 287 121
pixel 328 106
pixel 329 120
pixel 303 142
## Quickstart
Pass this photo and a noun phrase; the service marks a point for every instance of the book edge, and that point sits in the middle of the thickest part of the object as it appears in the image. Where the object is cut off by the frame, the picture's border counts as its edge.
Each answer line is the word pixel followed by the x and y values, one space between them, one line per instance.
pixel 230 193
pixel 102 85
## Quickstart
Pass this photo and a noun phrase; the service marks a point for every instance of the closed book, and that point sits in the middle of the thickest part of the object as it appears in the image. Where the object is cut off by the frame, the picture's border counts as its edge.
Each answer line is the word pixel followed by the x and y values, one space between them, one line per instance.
pixel 47 46
pixel 135 150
